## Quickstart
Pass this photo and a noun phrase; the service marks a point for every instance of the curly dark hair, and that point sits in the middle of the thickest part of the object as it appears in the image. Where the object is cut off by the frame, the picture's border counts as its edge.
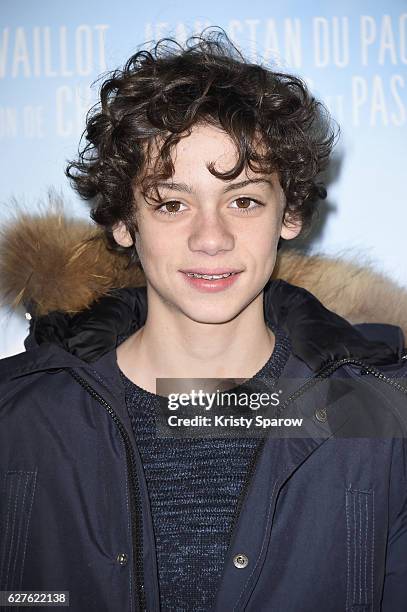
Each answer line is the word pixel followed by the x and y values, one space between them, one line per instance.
pixel 159 95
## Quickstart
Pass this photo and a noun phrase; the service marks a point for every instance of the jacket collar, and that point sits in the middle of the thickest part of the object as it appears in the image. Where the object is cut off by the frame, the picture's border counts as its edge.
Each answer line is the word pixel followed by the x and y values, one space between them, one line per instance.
pixel 317 334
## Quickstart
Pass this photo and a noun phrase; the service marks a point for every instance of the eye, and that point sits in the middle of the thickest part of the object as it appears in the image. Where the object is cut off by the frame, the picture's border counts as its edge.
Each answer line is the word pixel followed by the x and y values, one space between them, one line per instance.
pixel 160 209
pixel 247 208
pixel 174 206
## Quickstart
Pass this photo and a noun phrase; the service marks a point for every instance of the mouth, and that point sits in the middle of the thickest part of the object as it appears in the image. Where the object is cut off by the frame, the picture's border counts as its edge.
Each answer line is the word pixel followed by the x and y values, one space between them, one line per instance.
pixel 216 274
pixel 211 280
pixel 210 276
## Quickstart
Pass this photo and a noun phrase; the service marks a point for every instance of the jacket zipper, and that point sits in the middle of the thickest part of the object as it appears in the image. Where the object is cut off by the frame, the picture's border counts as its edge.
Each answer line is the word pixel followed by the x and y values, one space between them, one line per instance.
pixel 135 503
pixel 134 490
pixel 323 373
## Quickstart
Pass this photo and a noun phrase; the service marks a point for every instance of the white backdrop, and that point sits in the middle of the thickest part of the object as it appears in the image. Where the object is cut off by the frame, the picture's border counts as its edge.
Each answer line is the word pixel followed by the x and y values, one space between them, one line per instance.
pixel 353 55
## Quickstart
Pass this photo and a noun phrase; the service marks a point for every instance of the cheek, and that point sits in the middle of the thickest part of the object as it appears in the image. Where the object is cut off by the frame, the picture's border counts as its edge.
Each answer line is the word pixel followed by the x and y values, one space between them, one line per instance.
pixel 154 247
pixel 262 241
pixel 266 256
pixel 266 243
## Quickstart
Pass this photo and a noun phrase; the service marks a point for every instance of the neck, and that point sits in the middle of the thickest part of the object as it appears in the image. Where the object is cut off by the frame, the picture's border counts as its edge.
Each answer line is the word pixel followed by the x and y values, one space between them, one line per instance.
pixel 174 346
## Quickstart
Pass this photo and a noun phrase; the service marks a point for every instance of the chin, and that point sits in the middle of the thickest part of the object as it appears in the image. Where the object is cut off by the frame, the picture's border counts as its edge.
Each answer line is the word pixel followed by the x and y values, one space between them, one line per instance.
pixel 214 316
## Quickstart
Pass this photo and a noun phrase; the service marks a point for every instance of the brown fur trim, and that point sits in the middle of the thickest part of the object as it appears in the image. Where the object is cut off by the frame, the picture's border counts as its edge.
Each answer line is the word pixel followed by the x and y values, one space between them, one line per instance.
pixel 354 291
pixel 63 263
pixel 58 262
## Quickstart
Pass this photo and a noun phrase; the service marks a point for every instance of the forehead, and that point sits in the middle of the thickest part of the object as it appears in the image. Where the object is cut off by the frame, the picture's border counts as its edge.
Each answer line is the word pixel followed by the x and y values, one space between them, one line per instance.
pixel 206 144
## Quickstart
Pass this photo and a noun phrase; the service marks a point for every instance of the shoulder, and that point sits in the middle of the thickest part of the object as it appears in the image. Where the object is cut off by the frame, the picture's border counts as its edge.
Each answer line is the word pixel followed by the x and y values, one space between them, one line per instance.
pixel 27 377
pixel 320 336
pixel 42 358
pixel 392 335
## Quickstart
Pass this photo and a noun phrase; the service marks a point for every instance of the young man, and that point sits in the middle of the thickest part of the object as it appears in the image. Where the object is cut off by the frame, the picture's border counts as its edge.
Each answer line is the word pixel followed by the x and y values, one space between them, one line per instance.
pixel 198 164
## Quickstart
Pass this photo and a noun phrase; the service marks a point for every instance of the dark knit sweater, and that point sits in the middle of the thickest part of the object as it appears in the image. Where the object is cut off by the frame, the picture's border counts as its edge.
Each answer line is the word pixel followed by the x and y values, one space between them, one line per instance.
pixel 194 485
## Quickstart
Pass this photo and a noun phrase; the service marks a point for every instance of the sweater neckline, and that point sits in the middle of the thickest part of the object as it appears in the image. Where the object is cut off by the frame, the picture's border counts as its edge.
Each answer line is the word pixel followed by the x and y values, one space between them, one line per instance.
pixel 272 368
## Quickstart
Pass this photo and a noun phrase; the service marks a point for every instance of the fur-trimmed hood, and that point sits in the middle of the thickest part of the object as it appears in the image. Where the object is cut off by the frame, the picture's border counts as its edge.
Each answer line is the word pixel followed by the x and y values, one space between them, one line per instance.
pixel 53 263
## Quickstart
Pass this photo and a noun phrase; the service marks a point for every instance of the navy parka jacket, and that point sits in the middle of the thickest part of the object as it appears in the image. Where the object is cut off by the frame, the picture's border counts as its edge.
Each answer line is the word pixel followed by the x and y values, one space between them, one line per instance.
pixel 322 518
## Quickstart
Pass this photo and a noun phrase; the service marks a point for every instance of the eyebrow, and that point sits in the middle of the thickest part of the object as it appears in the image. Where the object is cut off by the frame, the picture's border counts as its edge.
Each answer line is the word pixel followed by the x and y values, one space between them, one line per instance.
pixel 188 189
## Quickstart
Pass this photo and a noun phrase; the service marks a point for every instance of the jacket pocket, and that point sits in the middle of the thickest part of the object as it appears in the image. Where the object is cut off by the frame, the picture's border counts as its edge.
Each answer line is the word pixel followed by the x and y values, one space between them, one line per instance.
pixel 15 510
pixel 360 549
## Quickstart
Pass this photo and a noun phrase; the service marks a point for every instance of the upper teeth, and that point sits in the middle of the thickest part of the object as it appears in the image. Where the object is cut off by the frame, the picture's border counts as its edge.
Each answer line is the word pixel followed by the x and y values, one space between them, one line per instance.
pixel 210 276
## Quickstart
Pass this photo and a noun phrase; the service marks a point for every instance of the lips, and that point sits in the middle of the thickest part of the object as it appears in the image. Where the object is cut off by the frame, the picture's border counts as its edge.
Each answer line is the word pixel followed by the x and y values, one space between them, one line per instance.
pixel 206 283
pixel 210 272
pixel 210 276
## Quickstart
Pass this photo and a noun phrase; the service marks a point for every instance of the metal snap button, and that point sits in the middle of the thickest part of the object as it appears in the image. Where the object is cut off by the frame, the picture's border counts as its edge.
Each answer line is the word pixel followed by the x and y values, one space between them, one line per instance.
pixel 122 559
pixel 321 415
pixel 240 560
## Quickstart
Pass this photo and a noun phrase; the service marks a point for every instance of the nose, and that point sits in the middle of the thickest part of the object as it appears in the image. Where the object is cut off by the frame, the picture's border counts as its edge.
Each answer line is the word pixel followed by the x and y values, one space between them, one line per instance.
pixel 210 234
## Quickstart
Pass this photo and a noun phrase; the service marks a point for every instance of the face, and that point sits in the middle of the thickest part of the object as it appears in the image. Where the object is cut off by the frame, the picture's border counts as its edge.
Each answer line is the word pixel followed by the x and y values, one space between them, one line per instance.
pixel 209 226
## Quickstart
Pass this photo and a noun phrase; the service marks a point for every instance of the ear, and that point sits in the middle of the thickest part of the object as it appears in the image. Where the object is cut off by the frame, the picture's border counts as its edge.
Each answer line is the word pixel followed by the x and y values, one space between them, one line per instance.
pixel 290 228
pixel 121 235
